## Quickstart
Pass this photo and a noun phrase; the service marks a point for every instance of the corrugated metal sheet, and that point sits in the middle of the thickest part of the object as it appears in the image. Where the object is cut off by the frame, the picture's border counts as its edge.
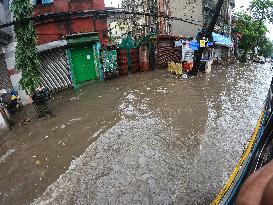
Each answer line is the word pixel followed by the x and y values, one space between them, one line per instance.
pixel 4 77
pixel 55 70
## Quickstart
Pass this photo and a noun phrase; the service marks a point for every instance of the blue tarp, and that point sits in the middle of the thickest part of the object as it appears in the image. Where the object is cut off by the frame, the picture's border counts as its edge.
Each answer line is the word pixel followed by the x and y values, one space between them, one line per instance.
pixel 221 40
pixel 34 2
pixel 47 1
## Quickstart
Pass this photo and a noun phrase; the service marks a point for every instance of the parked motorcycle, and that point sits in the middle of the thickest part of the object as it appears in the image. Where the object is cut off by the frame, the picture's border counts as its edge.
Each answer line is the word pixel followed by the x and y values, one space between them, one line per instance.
pixel 10 101
pixel 40 99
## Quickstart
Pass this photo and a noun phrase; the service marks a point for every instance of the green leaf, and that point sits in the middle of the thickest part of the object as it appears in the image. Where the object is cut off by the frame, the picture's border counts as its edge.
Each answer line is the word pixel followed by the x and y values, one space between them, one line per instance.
pixel 26 57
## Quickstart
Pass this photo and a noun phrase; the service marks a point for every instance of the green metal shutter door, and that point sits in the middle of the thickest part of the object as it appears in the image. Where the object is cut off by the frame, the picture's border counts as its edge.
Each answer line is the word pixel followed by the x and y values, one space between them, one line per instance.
pixel 83 64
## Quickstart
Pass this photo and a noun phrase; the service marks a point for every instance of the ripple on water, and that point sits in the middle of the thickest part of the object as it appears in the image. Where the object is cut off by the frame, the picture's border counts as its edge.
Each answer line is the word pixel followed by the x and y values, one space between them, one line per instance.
pixel 177 141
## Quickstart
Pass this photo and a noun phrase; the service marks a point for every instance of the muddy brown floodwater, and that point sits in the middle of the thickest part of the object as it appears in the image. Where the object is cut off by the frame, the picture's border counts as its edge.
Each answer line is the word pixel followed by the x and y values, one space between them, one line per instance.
pixel 142 139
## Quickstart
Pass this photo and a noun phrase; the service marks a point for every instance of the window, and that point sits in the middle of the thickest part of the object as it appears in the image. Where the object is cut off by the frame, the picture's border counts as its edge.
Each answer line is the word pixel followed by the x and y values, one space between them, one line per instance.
pixel 39 2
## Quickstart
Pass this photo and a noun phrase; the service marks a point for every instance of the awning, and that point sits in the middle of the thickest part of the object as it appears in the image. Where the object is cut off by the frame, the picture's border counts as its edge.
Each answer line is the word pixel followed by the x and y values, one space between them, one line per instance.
pixel 221 40
pixel 82 38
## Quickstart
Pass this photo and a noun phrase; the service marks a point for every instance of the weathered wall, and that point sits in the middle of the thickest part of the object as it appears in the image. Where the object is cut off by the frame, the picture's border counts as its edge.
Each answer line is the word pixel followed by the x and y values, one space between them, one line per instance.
pixel 4 77
pixel 5 82
pixel 57 30
pixel 72 5
pixel 2 14
pixel 5 17
pixel 186 9
pixel 137 23
pixel 163 9
pixel 2 21
pixel 224 20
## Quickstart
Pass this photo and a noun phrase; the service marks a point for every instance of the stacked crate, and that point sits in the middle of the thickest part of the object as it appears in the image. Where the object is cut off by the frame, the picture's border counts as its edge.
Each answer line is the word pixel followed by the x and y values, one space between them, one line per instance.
pixel 134 60
pixel 122 61
pixel 125 66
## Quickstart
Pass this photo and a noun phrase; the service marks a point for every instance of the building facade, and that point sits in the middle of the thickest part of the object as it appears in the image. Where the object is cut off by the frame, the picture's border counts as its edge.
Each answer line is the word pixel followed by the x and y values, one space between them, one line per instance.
pixel 147 16
pixel 164 24
pixel 68 32
pixel 191 11
pixel 54 29
pixel 69 35
pixel 140 24
pixel 223 25
pixel 69 41
pixel 194 14
pixel 6 37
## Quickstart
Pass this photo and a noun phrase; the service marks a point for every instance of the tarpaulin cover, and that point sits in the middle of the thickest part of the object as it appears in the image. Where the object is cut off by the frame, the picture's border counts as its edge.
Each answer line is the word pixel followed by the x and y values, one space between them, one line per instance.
pixel 221 40
pixel 194 45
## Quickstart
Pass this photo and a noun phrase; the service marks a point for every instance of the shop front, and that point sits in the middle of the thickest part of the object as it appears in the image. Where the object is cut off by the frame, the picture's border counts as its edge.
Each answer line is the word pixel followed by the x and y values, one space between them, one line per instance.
pixel 222 47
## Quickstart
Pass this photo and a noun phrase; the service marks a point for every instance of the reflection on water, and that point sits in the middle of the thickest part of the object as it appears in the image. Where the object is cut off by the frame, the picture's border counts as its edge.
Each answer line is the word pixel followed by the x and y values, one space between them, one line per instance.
pixel 173 141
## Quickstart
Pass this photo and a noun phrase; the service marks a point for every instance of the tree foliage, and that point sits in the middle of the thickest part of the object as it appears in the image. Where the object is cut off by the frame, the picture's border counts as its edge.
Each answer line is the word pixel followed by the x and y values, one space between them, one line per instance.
pixel 252 29
pixel 26 58
pixel 262 10
pixel 266 48
pixel 252 32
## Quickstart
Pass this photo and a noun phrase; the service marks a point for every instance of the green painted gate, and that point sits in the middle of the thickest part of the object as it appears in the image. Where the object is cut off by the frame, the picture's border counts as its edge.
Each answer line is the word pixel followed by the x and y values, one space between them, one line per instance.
pixel 83 63
pixel 83 55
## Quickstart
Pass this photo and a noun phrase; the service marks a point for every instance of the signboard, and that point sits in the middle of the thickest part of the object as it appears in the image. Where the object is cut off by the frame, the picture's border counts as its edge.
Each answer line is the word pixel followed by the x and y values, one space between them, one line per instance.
pixel 202 43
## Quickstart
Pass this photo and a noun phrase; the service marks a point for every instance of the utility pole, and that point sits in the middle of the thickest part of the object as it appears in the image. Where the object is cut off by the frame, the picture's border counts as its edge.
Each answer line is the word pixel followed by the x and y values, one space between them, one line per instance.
pixel 207 33
pixel 153 20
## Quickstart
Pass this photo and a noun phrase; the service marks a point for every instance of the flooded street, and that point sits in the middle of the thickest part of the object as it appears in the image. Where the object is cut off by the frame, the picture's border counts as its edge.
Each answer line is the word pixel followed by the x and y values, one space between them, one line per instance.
pixel 143 139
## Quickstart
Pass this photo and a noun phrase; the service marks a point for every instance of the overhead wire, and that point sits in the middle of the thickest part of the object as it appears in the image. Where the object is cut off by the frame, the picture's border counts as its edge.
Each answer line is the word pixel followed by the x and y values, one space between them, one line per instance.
pixel 96 13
